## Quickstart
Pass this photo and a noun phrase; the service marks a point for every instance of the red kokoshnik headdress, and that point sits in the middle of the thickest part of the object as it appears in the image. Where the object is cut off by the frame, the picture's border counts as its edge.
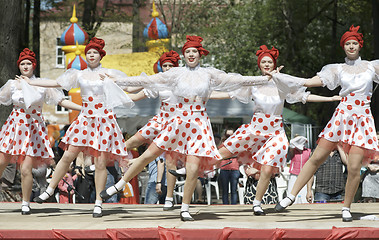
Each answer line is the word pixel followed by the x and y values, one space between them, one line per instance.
pixel 195 42
pixel 264 51
pixel 352 34
pixel 27 54
pixel 97 44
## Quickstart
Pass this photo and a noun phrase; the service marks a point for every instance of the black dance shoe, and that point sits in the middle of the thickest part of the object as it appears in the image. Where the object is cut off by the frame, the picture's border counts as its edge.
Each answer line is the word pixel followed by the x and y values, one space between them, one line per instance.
pixel 347 219
pixel 105 196
pixel 172 207
pixel 40 200
pixel 185 219
pixel 98 215
pixel 28 212
pixel 280 208
pixel 175 173
pixel 258 211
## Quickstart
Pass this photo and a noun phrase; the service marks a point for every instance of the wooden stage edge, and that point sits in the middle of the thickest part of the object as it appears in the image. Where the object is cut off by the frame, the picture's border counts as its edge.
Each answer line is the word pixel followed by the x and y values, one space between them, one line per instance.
pixel 79 216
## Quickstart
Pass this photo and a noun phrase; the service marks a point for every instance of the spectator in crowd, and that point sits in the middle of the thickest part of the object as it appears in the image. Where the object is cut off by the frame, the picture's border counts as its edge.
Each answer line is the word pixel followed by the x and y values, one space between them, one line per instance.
pixel 229 175
pixel 330 178
pixel 271 195
pixel 157 186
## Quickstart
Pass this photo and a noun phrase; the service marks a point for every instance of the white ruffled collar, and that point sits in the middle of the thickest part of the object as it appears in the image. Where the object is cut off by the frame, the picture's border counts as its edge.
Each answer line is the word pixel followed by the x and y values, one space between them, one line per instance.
pixel 193 69
pixel 353 62
pixel 95 69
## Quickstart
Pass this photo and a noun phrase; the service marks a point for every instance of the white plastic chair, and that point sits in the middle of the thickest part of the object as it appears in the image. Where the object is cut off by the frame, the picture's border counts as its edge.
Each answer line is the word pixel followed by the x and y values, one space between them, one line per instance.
pixel 241 185
pixel 208 190
pixel 282 182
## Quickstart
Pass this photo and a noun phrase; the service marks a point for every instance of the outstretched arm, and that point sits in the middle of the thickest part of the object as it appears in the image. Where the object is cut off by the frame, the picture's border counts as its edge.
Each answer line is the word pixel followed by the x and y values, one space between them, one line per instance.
pixel 39 83
pixel 313 82
pixel 219 95
pixel 317 98
pixel 70 105
pixel 137 96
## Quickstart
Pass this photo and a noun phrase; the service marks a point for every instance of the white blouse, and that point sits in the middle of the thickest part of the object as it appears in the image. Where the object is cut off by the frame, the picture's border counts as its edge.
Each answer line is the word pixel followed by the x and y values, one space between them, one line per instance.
pixel 23 95
pixel 267 98
pixel 354 76
pixel 192 82
pixel 91 85
pixel 165 96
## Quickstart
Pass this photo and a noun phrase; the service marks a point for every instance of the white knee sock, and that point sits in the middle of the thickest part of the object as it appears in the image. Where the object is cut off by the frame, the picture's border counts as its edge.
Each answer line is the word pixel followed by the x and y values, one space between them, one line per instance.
pixel 97 208
pixel 169 202
pixel 47 193
pixel 181 171
pixel 25 206
pixel 256 202
pixel 185 209
pixel 346 214
pixel 287 201
pixel 119 185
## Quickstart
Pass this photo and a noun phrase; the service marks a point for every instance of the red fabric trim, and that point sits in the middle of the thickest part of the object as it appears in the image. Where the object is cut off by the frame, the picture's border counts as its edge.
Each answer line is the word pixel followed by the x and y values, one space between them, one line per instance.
pixel 195 234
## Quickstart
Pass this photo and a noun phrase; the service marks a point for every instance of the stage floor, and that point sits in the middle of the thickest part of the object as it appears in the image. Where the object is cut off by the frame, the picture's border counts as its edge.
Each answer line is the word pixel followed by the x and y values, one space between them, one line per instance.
pixel 49 216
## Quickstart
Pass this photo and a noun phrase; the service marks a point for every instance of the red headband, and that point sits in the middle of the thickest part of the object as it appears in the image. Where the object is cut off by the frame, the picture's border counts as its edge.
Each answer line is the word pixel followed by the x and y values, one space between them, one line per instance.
pixel 171 56
pixel 27 54
pixel 352 34
pixel 195 42
pixel 264 51
pixel 97 44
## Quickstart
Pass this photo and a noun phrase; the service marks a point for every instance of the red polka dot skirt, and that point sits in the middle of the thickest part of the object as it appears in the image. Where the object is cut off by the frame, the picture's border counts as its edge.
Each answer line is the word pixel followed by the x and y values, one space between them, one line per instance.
pixel 352 124
pixel 97 131
pixel 189 133
pixel 261 142
pixel 155 125
pixel 25 134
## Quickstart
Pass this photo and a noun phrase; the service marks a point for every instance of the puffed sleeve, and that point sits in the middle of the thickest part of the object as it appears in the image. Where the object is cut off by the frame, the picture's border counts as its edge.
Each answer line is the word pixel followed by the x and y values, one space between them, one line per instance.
pixel 243 94
pixel 290 88
pixel 157 81
pixel 150 93
pixel 69 79
pixel 6 93
pixel 221 81
pixel 53 96
pixel 329 76
pixel 299 96
pixel 375 64
pixel 115 96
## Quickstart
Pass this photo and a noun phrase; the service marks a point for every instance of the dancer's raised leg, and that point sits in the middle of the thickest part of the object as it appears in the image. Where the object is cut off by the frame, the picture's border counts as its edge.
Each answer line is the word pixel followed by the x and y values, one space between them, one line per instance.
pixel 61 169
pixel 4 161
pixel 319 156
pixel 192 168
pixel 138 165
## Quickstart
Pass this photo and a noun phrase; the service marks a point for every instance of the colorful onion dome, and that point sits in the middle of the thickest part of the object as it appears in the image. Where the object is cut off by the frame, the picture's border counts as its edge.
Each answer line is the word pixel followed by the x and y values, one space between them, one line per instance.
pixel 156 29
pixel 78 62
pixel 74 33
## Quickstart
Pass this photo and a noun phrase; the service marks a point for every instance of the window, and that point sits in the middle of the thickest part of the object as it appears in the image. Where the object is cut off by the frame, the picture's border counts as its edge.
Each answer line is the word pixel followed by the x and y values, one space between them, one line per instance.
pixel 60 57
pixel 61 110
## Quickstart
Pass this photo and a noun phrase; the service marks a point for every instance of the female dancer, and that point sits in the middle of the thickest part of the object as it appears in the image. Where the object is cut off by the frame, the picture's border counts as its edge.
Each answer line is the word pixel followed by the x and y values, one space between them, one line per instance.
pixel 23 137
pixel 189 134
pixel 155 125
pixel 264 141
pixel 95 132
pixel 352 124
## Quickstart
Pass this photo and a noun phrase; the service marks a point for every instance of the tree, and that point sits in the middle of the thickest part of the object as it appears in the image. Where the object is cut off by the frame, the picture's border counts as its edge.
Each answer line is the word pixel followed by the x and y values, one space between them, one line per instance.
pixel 11 27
